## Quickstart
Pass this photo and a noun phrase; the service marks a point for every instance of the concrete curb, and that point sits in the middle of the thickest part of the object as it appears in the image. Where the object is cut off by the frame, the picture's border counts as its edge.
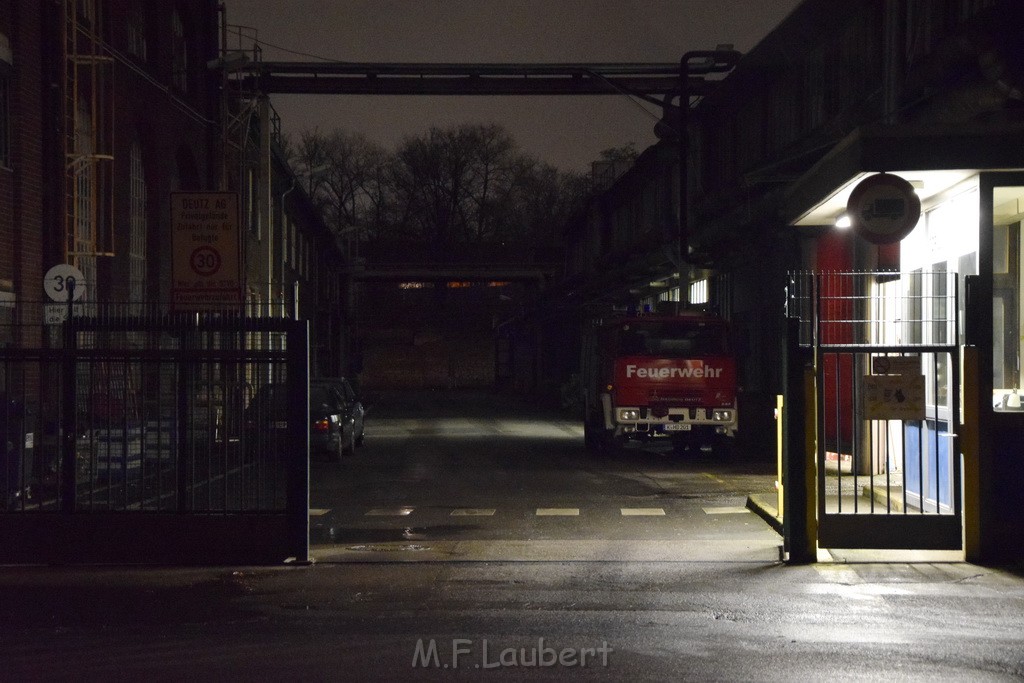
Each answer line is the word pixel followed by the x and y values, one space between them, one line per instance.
pixel 764 507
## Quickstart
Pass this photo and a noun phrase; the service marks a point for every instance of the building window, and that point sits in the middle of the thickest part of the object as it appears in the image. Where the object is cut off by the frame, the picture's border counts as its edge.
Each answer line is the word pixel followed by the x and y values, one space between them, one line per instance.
pixel 292 239
pixel 179 53
pixel 84 203
pixel 87 11
pixel 137 32
pixel 137 226
pixel 5 121
pixel 814 85
pixel 699 292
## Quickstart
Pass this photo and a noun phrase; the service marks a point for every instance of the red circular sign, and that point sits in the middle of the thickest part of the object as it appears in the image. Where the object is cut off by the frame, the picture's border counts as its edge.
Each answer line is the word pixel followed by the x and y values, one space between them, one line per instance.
pixel 205 261
pixel 883 208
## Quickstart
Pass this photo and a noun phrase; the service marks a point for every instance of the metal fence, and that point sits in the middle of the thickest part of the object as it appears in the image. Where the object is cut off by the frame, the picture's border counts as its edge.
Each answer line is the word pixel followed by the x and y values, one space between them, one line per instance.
pixel 887 381
pixel 145 424
pixel 874 308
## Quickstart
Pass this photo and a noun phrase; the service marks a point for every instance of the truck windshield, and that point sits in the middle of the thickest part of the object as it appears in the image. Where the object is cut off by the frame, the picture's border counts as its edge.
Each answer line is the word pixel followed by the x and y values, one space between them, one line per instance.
pixel 673 339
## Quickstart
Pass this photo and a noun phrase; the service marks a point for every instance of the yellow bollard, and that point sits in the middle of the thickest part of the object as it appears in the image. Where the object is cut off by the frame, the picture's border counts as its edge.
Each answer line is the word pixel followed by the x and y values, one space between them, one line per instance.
pixel 969 446
pixel 779 490
pixel 811 461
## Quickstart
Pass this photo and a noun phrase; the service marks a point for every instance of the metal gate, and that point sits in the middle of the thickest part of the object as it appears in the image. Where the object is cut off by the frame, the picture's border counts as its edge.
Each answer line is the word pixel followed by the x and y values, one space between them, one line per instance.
pixel 887 406
pixel 135 438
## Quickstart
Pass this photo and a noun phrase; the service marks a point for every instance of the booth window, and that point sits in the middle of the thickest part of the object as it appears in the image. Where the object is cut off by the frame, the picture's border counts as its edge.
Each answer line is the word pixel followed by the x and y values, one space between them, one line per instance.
pixel 1006 300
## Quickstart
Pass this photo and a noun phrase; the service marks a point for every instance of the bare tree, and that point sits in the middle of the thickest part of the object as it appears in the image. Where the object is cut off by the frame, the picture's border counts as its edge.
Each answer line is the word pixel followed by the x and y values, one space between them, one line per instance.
pixel 468 187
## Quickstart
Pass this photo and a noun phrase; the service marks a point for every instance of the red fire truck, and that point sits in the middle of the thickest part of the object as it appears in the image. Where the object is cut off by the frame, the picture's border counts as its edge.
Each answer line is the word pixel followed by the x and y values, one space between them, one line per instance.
pixel 659 377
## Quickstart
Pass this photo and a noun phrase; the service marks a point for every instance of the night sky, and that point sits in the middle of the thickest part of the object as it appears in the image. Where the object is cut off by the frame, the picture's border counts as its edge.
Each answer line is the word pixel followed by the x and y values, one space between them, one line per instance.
pixel 566 132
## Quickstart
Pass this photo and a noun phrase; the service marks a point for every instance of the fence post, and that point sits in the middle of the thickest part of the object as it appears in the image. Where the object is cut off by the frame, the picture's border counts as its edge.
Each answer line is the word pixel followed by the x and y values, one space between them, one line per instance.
pixel 797 541
pixel 297 379
pixel 68 498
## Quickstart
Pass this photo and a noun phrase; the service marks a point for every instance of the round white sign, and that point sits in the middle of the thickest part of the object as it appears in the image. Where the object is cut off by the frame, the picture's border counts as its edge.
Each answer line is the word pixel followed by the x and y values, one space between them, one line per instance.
pixel 883 208
pixel 61 279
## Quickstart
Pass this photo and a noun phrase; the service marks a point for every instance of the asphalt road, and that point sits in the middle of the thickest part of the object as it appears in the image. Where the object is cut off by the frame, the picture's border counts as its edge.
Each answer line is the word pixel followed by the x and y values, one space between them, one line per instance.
pixel 695 593
pixel 480 476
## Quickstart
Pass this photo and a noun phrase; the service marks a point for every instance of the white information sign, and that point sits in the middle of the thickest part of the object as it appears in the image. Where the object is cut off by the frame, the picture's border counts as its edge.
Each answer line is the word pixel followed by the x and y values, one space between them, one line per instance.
pixel 206 261
pixel 893 397
pixel 55 314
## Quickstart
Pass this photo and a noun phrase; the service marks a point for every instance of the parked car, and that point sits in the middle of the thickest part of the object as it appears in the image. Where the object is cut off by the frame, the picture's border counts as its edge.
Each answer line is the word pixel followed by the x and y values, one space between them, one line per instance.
pixel 330 428
pixel 355 410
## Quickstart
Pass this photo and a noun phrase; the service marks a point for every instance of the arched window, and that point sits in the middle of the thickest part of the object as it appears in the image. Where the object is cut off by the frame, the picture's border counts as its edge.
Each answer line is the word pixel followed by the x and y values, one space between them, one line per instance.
pixel 137 196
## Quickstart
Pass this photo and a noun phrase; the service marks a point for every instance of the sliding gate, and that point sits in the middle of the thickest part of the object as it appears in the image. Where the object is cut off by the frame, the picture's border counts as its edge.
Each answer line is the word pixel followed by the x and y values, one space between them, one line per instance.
pixel 142 439
pixel 887 405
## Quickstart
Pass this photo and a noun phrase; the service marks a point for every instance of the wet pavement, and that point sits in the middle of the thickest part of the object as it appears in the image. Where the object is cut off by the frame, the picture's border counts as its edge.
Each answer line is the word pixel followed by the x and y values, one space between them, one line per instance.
pixel 472 539
pixel 740 619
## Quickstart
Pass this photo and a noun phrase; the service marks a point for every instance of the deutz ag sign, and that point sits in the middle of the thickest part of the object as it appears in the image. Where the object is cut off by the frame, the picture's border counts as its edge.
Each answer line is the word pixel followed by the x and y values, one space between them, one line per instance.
pixel 206 273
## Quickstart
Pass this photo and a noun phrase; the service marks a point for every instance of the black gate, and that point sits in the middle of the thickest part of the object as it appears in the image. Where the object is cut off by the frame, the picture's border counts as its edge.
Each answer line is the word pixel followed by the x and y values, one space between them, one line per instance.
pixel 141 438
pixel 887 403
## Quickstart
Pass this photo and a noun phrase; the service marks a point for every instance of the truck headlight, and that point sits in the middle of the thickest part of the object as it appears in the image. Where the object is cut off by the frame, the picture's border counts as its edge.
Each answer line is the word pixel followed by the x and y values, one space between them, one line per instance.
pixel 723 415
pixel 629 415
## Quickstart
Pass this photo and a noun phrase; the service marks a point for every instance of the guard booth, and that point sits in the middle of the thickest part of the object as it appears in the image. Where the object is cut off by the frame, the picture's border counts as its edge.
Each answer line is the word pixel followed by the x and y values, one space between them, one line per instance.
pixel 942 304
pixel 134 438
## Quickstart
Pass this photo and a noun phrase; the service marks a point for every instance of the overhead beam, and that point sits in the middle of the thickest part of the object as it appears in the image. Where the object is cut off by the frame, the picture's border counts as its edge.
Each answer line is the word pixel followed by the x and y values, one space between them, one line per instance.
pixel 468 85
pixel 337 78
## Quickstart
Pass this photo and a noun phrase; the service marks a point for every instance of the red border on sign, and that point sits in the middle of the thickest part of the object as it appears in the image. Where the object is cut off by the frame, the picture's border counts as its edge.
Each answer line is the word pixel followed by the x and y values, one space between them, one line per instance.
pixel 909 220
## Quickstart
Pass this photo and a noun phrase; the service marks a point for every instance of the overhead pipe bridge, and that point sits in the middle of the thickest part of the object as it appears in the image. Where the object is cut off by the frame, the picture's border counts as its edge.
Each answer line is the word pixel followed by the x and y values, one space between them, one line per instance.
pixel 648 81
pixel 659 83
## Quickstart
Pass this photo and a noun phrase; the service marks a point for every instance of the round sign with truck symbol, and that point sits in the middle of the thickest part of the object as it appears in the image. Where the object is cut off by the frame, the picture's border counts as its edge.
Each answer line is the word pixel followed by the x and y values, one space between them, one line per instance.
pixel 883 208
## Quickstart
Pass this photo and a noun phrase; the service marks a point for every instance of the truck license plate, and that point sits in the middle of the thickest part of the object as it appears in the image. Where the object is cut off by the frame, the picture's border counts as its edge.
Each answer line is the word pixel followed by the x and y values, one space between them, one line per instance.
pixel 676 427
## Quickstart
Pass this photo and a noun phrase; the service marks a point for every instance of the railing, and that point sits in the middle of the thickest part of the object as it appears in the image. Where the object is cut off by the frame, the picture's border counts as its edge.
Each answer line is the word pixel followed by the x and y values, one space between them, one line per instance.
pixel 874 308
pixel 122 414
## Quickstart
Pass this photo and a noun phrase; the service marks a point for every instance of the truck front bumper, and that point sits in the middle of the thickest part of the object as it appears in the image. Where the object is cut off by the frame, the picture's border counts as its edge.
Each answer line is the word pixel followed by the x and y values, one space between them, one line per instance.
pixel 680 422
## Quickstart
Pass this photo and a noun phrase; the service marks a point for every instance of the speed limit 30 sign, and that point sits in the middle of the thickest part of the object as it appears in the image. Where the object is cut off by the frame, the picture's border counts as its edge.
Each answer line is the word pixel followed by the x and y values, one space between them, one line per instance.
pixel 206 273
pixel 205 261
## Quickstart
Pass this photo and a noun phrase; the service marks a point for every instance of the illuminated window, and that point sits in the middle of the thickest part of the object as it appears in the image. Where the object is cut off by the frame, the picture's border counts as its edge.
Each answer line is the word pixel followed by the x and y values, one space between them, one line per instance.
pixel 699 292
pixel 1007 341
pixel 669 295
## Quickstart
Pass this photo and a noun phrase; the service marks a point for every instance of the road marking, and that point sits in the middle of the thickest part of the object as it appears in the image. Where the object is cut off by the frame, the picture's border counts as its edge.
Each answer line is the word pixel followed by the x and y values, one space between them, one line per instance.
pixel 713 477
pixel 642 512
pixel 389 512
pixel 558 512
pixel 473 512
pixel 318 512
pixel 725 511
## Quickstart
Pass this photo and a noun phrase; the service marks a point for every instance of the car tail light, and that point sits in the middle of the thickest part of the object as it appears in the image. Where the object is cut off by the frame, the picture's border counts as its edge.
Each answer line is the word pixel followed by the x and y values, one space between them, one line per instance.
pixel 322 425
